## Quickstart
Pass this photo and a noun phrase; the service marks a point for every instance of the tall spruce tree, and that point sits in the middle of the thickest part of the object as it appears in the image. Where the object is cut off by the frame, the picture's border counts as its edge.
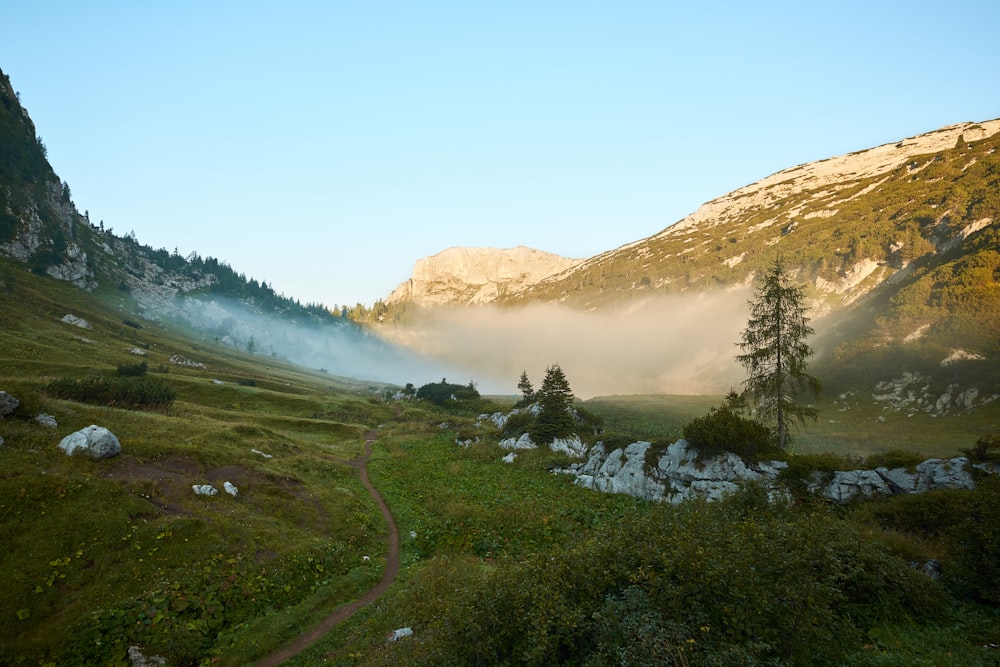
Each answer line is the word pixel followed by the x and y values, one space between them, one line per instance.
pixel 775 352
pixel 555 400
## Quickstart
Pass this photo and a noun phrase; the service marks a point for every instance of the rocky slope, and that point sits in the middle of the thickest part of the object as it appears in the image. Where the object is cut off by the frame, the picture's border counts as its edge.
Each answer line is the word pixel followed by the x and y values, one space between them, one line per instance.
pixel 850 222
pixel 469 276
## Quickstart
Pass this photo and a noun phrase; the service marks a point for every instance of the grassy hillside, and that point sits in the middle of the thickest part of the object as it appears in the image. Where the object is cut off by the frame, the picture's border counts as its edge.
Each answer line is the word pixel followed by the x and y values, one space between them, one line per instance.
pixel 101 554
pixel 501 563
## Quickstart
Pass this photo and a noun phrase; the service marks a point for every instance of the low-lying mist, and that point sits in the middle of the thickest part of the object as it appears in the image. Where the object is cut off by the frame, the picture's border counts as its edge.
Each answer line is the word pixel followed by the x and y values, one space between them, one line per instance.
pixel 664 345
pixel 336 346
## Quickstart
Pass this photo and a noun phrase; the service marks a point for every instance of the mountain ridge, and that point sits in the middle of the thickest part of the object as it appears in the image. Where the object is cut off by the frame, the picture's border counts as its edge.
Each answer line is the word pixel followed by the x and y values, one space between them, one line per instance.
pixel 471 276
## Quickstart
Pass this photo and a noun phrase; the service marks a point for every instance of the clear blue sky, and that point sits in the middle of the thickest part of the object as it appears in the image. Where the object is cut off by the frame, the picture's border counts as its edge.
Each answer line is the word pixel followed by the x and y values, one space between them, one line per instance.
pixel 326 146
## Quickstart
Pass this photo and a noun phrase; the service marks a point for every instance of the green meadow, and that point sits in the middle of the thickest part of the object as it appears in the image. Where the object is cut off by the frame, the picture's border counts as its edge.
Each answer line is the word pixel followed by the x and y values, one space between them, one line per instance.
pixel 502 564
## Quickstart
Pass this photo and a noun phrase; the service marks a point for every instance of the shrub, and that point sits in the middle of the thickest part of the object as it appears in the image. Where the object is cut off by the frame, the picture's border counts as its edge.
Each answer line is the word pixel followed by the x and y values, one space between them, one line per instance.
pixel 803 469
pixel 723 430
pixel 441 392
pixel 894 458
pixel 975 543
pixel 986 450
pixel 133 370
pixel 517 424
pixel 117 392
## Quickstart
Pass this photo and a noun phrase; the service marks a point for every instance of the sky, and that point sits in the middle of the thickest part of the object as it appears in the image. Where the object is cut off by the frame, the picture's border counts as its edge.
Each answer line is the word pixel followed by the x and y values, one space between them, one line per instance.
pixel 324 147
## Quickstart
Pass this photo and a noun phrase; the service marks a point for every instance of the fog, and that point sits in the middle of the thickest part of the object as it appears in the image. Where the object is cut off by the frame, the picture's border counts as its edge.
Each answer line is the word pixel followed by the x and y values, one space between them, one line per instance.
pixel 338 347
pixel 663 345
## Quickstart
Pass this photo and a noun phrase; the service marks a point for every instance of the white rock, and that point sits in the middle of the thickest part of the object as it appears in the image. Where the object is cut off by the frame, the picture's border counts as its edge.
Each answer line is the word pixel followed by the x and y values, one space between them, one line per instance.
pixel 205 490
pixel 231 489
pixel 95 441
pixel 48 421
pixel 400 634
pixel 77 321
pixel 523 442
pixel 572 446
pixel 509 458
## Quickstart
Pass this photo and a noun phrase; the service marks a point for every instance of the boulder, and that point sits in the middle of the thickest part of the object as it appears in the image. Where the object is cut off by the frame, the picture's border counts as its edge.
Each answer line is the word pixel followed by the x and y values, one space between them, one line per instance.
pixel 848 485
pixel 138 659
pixel 231 489
pixel 620 471
pixel 509 458
pixel 94 441
pixel 7 404
pixel 204 490
pixel 572 446
pixel 400 633
pixel 524 442
pixel 48 421
pixel 77 321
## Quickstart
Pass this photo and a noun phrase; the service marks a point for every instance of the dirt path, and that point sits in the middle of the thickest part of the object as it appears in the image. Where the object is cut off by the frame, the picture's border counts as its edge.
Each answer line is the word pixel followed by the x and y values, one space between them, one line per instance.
pixel 345 612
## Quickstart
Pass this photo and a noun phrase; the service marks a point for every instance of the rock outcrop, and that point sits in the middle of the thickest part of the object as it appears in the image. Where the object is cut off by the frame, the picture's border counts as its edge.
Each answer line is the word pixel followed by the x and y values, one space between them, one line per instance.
pixel 677 475
pixel 94 441
pixel 466 276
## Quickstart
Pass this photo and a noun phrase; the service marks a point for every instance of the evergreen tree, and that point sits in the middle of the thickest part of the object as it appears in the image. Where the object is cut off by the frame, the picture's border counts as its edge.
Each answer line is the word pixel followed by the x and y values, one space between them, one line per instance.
pixel 775 352
pixel 555 400
pixel 527 391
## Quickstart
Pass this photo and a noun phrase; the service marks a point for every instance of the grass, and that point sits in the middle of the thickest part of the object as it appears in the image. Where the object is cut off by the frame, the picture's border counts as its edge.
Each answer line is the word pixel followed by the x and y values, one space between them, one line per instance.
pixel 103 554
pixel 855 430
pixel 127 534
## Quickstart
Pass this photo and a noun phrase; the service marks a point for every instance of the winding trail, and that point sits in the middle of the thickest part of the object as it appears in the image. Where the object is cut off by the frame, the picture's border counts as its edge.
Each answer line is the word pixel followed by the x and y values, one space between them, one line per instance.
pixel 341 614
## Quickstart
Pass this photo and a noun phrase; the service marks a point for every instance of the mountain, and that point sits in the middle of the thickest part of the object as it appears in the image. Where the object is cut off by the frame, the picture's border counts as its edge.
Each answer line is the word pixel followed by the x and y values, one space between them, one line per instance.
pixel 469 276
pixel 898 246
pixel 848 223
pixel 42 230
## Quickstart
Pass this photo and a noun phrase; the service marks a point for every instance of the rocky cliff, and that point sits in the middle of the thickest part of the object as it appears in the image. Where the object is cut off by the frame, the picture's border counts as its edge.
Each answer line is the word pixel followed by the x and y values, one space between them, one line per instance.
pixel 470 276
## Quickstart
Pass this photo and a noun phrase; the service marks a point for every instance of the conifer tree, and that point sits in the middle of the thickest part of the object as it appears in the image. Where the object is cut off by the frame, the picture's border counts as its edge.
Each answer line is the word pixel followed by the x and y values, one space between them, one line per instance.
pixel 775 352
pixel 555 400
pixel 527 391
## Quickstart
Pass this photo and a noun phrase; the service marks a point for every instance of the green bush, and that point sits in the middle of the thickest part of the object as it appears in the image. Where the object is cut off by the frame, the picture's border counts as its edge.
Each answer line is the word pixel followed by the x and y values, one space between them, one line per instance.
pixel 986 450
pixel 723 430
pixel 894 458
pixel 517 424
pixel 441 392
pixel 117 392
pixel 133 370
pixel 740 581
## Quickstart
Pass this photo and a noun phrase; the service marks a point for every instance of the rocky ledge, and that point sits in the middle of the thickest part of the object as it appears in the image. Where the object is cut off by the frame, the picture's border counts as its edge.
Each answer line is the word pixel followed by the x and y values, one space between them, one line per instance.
pixel 679 475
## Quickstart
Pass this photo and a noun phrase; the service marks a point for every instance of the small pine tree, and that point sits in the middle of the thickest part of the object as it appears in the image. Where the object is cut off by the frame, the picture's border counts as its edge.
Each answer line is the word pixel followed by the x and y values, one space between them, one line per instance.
pixel 527 391
pixel 555 400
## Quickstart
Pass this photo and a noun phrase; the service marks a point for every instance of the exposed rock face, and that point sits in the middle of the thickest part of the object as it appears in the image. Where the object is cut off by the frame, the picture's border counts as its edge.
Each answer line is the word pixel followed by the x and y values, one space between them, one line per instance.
pixel 94 441
pixel 678 475
pixel 571 446
pixel 476 275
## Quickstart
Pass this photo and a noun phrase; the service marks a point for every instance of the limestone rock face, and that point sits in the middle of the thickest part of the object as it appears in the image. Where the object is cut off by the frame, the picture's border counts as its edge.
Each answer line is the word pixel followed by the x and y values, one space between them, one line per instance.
pixel 678 475
pixel 465 276
pixel 94 441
